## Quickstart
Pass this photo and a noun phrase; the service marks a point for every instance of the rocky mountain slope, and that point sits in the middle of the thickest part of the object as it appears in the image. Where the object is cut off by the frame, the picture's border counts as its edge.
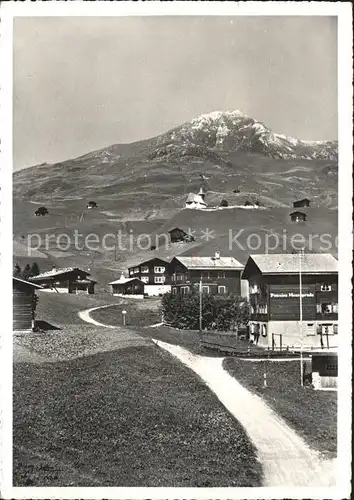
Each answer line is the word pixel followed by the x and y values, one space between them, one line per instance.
pixel 233 155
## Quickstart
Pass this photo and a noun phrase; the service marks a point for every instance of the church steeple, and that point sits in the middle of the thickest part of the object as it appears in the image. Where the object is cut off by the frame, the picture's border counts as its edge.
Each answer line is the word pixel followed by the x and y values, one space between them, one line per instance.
pixel 201 192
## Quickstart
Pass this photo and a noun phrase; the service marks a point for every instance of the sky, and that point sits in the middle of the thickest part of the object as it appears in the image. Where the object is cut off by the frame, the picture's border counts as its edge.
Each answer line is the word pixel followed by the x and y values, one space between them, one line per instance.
pixel 84 83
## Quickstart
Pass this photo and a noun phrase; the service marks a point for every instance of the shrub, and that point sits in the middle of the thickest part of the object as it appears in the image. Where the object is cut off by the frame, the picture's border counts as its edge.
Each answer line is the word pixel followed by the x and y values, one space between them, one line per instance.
pixel 219 312
pixel 223 203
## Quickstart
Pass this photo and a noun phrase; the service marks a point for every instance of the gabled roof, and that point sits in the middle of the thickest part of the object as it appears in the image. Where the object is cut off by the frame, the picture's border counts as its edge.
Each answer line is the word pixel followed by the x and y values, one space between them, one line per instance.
pixel 195 198
pixel 176 228
pixel 144 262
pixel 311 263
pixel 19 280
pixel 300 201
pixel 210 262
pixel 123 280
pixel 297 212
pixel 57 272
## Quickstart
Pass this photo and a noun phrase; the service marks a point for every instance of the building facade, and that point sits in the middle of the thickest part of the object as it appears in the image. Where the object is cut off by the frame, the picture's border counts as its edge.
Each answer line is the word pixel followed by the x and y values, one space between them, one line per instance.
pixel 24 304
pixel 128 287
pixel 154 274
pixel 274 291
pixel 66 280
pixel 219 275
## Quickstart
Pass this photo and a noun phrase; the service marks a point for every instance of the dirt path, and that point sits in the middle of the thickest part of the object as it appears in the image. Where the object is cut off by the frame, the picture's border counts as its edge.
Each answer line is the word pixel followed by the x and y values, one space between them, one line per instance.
pixel 287 460
pixel 85 316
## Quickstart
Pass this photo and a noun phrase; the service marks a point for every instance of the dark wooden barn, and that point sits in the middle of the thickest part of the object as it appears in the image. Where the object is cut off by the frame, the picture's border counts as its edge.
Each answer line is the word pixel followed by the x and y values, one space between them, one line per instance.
pixel 302 203
pixel 298 216
pixel 41 211
pixel 24 304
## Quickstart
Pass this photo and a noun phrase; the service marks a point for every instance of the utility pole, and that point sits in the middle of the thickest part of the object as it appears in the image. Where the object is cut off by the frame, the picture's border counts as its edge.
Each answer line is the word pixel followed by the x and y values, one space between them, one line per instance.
pixel 200 304
pixel 301 326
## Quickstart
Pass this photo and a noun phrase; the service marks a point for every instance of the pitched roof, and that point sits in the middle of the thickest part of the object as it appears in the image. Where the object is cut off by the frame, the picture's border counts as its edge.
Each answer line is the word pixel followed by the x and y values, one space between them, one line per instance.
pixel 57 272
pixel 123 280
pixel 19 280
pixel 297 212
pixel 210 262
pixel 311 263
pixel 195 198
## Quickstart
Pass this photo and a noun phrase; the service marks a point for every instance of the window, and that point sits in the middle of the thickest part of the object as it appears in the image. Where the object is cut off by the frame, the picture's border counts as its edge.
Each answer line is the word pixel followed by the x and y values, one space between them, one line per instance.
pixel 335 329
pixel 254 288
pixel 331 367
pixel 131 271
pixel 184 290
pixel 145 279
pixel 222 290
pixel 159 269
pixel 328 308
pixel 179 277
pixel 205 289
pixel 136 270
pixel 205 275
pixel 174 290
pixel 311 329
pixel 221 274
pixel 327 329
pixel 144 269
pixel 159 279
pixel 325 287
pixel 173 277
pixel 262 309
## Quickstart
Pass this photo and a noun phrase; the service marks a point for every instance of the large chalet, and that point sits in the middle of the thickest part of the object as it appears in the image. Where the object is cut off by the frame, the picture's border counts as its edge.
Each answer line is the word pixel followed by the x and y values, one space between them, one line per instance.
pixel 219 275
pixel 66 280
pixel 274 287
pixel 154 274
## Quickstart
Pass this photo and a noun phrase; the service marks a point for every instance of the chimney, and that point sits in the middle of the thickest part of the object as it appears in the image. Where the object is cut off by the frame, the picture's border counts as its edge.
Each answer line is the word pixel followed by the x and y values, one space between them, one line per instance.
pixel 122 277
pixel 217 256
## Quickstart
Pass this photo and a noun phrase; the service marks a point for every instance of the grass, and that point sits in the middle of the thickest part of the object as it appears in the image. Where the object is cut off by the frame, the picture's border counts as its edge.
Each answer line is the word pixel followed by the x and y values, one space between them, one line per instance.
pixel 62 308
pixel 134 417
pixel 136 315
pixel 313 414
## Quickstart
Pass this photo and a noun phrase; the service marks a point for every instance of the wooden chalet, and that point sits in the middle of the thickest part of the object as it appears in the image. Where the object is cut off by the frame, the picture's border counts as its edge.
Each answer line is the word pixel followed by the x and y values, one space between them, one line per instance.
pixel 66 280
pixel 302 203
pixel 24 304
pixel 298 216
pixel 274 288
pixel 132 287
pixel 219 275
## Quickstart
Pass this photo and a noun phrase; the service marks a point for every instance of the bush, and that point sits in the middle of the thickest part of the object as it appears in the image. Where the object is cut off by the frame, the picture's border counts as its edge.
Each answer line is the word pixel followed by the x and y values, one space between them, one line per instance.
pixel 219 312
pixel 223 203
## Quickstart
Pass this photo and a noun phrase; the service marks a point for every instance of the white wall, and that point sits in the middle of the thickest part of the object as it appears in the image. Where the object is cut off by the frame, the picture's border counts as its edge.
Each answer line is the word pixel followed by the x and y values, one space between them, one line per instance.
pixel 153 290
pixel 57 290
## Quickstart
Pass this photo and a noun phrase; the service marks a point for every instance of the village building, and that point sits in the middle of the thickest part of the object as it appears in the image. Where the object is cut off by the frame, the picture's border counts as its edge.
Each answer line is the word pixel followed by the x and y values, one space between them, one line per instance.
pixel 219 275
pixel 128 287
pixel 66 280
pixel 274 288
pixel 24 304
pixel 41 211
pixel 302 203
pixel 91 204
pixel 324 369
pixel 298 216
pixel 196 201
pixel 178 235
pixel 154 274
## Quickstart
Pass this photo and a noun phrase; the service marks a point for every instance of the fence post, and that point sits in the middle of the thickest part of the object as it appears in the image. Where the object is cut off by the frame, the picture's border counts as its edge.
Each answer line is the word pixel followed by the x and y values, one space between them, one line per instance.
pixel 281 342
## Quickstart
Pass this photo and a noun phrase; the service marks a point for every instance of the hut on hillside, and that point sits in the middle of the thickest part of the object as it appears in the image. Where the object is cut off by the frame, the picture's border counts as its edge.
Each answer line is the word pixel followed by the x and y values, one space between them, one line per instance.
pixel 302 203
pixel 41 211
pixel 66 280
pixel 298 216
pixel 196 201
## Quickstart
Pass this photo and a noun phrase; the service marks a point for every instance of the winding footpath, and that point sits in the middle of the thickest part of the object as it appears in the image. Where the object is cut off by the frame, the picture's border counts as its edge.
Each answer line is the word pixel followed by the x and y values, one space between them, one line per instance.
pixel 285 457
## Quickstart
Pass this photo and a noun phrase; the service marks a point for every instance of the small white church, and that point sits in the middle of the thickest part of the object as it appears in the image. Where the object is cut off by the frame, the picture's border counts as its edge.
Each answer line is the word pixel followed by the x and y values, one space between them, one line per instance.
pixel 196 201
